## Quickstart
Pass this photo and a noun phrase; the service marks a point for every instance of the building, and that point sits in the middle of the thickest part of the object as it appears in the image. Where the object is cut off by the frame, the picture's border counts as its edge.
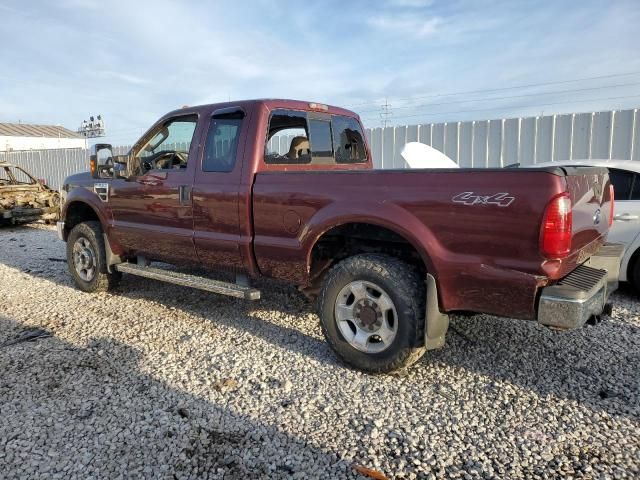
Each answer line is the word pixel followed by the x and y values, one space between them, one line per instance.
pixel 23 136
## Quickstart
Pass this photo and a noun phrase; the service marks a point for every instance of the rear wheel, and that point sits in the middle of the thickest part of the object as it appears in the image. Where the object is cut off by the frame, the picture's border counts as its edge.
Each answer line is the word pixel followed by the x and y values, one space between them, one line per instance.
pixel 86 258
pixel 372 312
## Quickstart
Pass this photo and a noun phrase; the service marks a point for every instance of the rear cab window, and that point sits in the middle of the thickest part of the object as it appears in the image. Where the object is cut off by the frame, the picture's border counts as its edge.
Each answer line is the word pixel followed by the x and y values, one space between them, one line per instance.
pixel 221 146
pixel 310 138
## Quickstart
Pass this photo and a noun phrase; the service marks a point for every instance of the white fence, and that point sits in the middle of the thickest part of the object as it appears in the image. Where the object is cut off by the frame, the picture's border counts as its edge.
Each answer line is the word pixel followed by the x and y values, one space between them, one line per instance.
pixel 529 140
pixel 478 144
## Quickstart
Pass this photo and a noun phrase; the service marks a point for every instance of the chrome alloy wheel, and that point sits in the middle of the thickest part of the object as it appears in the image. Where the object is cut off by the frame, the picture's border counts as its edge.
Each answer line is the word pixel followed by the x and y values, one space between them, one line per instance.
pixel 366 316
pixel 84 259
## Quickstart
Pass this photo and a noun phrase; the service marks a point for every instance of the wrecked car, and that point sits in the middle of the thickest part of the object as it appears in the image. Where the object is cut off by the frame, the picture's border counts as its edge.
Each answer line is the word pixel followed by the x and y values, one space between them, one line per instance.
pixel 25 199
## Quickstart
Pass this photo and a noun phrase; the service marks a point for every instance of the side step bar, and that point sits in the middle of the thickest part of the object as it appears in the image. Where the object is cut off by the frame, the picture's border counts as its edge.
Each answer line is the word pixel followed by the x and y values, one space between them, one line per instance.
pixel 186 280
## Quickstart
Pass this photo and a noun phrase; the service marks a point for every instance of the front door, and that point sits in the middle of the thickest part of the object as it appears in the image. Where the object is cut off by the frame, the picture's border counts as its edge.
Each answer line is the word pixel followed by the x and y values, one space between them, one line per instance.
pixel 152 208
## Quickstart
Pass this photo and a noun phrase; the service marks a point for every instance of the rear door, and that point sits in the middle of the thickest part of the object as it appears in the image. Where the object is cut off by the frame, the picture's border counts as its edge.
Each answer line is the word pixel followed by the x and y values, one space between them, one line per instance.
pixel 626 218
pixel 217 190
pixel 588 188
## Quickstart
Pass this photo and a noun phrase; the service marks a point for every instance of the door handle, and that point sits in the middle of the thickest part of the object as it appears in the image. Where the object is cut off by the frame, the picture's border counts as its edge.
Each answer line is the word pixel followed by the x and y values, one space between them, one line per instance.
pixel 184 192
pixel 625 217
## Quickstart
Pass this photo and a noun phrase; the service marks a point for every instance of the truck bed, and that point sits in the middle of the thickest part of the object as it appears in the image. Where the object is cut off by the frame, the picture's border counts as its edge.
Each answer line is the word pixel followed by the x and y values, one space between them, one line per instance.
pixel 477 230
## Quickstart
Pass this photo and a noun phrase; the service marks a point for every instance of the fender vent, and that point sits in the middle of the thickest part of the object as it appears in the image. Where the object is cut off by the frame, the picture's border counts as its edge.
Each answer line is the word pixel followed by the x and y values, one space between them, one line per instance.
pixel 102 190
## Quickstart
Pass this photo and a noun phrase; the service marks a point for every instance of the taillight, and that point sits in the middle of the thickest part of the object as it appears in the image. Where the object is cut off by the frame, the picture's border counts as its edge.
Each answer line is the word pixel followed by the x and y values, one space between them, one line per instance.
pixel 611 204
pixel 555 234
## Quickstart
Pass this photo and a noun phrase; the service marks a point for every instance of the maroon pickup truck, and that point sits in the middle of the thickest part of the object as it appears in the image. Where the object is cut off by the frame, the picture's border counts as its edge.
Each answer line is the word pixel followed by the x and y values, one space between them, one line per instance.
pixel 285 189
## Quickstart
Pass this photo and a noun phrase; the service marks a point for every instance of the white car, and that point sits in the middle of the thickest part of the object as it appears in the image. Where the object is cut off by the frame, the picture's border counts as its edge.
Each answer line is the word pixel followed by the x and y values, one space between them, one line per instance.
pixel 625 177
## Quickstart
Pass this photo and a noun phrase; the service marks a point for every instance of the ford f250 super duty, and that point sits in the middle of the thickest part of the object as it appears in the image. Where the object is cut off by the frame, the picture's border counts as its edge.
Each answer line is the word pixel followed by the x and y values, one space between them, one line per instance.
pixel 285 189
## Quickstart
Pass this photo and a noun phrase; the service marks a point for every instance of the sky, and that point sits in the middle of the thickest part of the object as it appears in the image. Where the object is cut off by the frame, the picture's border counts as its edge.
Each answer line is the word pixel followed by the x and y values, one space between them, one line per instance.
pixel 428 60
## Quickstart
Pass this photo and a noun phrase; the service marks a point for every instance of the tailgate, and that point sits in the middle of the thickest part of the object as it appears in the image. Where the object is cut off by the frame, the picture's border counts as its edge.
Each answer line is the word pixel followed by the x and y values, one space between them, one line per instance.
pixel 588 188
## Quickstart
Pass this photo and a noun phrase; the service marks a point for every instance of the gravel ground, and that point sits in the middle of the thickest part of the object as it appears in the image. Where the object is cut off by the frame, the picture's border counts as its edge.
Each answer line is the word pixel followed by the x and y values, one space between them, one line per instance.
pixel 158 381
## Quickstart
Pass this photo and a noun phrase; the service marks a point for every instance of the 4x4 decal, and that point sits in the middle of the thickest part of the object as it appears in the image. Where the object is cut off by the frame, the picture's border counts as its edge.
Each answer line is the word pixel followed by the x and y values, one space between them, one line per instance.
pixel 469 198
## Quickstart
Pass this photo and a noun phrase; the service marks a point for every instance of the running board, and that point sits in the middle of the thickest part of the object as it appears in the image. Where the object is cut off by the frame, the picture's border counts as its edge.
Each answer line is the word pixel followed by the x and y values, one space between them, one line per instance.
pixel 201 283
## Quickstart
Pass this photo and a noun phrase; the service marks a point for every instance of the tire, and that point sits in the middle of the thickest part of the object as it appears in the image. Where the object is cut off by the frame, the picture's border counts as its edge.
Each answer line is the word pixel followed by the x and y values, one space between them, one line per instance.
pixel 360 325
pixel 86 259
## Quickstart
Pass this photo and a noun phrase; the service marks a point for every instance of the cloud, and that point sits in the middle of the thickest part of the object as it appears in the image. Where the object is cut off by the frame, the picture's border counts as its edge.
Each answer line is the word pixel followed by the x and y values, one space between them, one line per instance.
pixel 410 3
pixel 113 58
pixel 406 24
pixel 127 78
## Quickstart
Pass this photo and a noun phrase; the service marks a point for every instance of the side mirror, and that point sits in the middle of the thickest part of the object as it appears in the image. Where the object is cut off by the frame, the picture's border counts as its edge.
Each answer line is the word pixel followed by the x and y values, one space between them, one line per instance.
pixel 100 159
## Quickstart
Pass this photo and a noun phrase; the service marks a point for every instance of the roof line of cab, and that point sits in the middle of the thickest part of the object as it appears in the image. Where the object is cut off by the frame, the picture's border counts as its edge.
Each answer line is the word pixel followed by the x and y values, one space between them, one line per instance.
pixel 270 103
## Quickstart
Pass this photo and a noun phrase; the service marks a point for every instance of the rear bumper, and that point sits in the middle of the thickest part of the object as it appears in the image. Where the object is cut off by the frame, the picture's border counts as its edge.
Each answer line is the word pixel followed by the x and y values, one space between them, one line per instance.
pixel 584 292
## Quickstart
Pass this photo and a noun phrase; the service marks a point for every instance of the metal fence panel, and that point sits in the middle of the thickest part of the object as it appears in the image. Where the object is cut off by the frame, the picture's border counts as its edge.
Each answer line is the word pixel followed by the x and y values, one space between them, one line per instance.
pixel 376 147
pixel 424 134
pixel 562 137
pixel 494 144
pixel 511 141
pixel 480 144
pixel 622 134
pixel 399 141
pixel 527 141
pixel 412 133
pixel 451 141
pixel 601 137
pixel 437 136
pixel 581 141
pixel 466 145
pixel 388 136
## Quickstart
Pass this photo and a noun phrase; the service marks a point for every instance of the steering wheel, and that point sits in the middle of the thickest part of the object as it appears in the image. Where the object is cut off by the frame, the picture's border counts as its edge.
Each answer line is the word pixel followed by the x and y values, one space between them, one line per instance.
pixel 165 160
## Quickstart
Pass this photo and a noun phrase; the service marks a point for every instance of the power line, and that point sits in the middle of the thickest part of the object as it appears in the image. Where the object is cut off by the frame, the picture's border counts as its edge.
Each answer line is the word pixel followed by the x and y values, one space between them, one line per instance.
pixel 512 96
pixel 531 85
pixel 514 107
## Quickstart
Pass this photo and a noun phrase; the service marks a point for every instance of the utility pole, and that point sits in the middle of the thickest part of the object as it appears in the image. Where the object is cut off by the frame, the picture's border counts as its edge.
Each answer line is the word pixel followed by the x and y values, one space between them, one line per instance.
pixel 385 113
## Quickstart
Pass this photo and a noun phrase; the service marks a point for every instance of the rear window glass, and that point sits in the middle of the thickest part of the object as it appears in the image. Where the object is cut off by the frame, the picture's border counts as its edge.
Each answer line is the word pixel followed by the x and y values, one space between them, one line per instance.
pixel 348 140
pixel 288 138
pixel 296 137
pixel 321 145
pixel 622 182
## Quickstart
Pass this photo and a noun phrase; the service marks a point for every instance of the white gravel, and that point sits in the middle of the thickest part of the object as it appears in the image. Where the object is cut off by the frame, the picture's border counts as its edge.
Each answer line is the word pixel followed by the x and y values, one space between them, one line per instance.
pixel 158 381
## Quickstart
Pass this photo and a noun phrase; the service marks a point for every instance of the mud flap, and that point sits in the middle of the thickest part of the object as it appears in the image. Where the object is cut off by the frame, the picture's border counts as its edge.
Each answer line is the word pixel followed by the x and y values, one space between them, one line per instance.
pixel 110 257
pixel 436 322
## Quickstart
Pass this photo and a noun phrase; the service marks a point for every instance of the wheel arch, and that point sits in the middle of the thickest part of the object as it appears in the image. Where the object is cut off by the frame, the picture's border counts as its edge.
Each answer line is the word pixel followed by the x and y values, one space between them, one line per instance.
pixel 363 235
pixel 77 211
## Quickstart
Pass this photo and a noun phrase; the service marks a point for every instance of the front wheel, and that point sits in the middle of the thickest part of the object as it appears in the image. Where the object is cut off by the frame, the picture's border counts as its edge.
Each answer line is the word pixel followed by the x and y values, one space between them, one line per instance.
pixel 86 259
pixel 372 312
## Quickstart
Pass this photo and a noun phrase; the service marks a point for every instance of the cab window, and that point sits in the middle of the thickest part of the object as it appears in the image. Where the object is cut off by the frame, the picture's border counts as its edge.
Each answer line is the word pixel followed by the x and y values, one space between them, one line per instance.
pixel 302 138
pixel 167 147
pixel 348 140
pixel 321 143
pixel 222 142
pixel 288 138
